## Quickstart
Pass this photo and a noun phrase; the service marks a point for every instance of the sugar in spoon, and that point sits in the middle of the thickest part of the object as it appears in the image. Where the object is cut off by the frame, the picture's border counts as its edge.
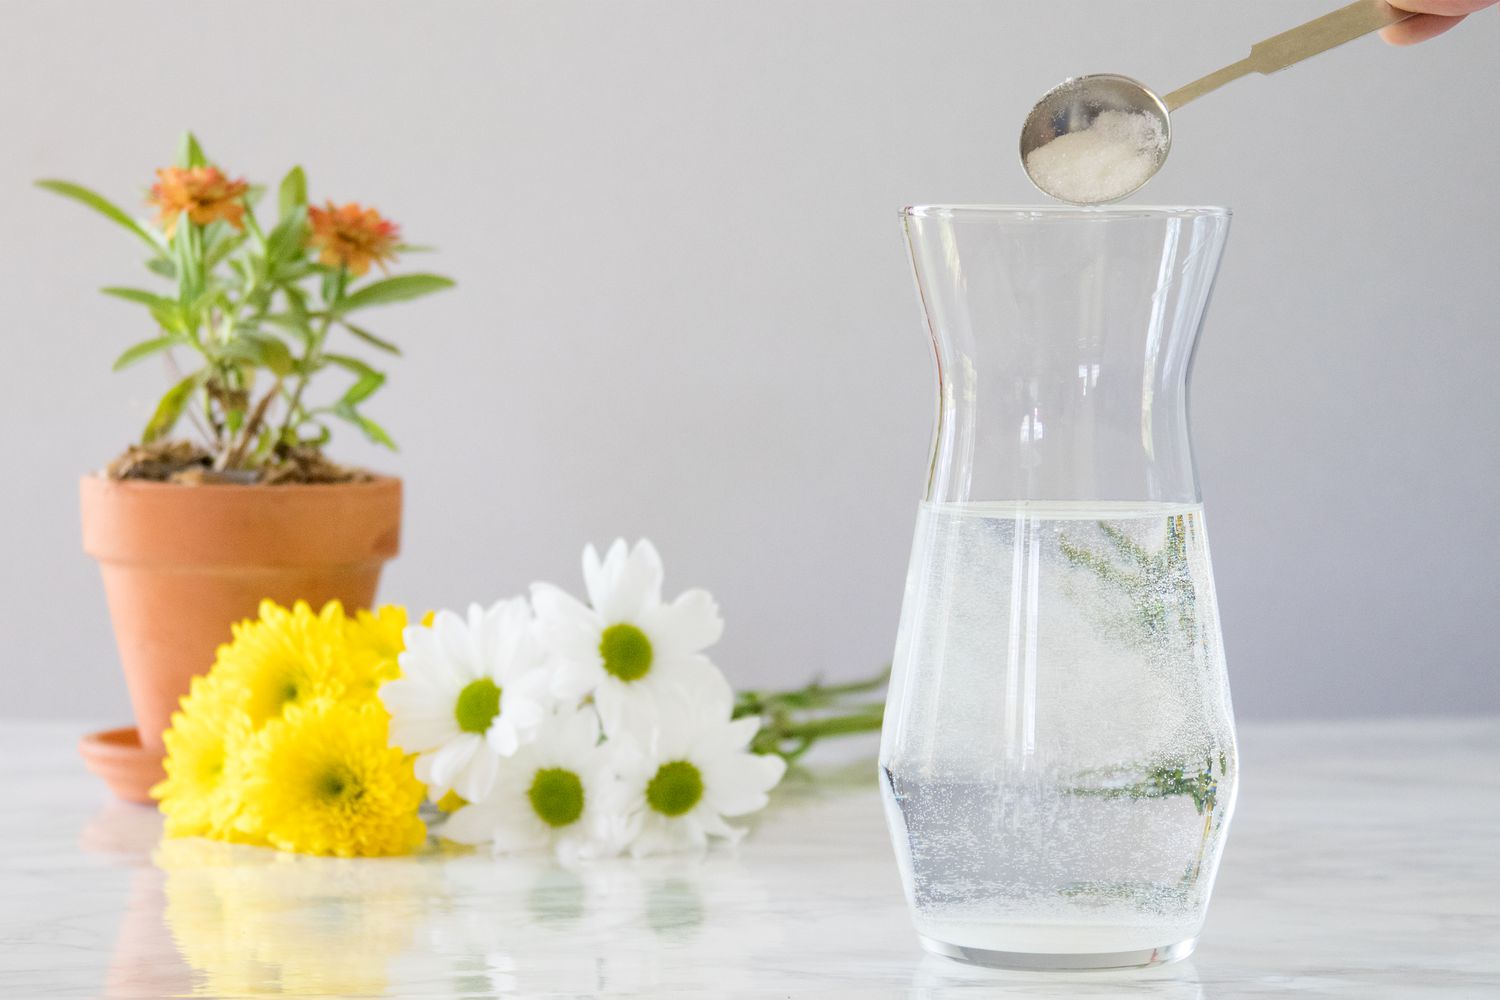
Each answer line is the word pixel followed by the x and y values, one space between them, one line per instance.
pixel 1110 157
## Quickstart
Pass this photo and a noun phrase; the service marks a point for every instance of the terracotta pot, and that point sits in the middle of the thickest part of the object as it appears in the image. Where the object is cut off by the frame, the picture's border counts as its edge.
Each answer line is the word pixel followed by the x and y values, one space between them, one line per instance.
pixel 182 563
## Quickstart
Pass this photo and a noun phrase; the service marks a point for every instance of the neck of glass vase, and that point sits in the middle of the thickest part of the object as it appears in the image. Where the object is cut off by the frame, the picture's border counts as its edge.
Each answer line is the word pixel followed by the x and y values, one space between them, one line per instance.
pixel 1064 340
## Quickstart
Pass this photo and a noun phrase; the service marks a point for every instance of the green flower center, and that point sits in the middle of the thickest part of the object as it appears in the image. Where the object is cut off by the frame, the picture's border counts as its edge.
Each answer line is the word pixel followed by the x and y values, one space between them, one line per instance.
pixel 478 704
pixel 676 788
pixel 626 652
pixel 557 796
pixel 336 784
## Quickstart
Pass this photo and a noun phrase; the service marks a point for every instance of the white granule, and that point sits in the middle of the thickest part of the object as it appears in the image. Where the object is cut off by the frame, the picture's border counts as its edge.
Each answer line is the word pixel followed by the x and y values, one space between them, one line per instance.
pixel 1116 154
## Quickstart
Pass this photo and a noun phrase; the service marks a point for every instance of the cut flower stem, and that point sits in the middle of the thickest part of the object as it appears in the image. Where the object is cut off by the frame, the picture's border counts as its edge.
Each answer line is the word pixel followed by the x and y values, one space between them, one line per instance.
pixel 793 721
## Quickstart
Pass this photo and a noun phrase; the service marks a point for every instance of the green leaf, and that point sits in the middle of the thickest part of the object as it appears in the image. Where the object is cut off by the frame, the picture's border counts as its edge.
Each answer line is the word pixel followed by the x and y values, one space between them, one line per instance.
pixel 189 153
pixel 292 197
pixel 106 208
pixel 296 302
pixel 397 289
pixel 187 252
pixel 285 243
pixel 291 324
pixel 332 283
pixel 140 295
pixel 293 272
pixel 354 365
pixel 163 267
pixel 264 350
pixel 372 430
pixel 362 389
pixel 278 357
pixel 169 410
pixel 144 349
pixel 221 248
pixel 167 312
pixel 370 338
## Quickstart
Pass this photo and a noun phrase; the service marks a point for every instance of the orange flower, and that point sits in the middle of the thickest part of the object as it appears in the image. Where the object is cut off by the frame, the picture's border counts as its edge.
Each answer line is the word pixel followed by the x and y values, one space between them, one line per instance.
pixel 351 236
pixel 204 193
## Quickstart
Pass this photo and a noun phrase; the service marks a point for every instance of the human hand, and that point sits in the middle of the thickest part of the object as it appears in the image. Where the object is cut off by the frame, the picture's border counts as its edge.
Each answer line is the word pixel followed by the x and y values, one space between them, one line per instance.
pixel 1433 18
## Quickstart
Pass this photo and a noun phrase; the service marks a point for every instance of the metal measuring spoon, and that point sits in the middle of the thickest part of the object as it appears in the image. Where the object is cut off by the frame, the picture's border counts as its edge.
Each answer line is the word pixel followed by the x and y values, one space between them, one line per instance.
pixel 1074 104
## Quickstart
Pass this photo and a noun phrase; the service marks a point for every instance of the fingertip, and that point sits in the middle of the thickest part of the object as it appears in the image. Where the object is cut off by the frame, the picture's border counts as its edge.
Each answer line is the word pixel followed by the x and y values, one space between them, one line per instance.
pixel 1417 29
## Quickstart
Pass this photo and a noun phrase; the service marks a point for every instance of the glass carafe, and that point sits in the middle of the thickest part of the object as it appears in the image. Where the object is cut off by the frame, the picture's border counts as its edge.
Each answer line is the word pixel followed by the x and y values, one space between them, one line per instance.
pixel 1058 758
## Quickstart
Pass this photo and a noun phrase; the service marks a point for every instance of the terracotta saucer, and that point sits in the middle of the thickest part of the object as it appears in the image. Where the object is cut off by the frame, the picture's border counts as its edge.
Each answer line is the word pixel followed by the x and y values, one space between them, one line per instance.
pixel 129 769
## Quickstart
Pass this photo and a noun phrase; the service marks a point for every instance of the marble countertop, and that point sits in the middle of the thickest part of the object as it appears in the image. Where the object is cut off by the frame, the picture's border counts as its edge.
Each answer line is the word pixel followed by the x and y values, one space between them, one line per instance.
pixel 1361 863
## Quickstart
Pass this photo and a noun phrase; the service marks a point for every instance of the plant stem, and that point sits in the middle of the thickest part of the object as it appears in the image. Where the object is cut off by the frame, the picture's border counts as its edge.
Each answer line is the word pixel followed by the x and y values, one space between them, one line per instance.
pixel 814 695
pixel 236 455
pixel 838 725
pixel 313 350
pixel 792 721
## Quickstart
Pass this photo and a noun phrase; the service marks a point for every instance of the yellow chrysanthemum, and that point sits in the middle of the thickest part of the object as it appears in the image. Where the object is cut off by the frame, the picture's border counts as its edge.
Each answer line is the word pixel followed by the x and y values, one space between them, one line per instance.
pixel 284 742
pixel 375 640
pixel 379 631
pixel 321 779
pixel 288 657
pixel 200 796
pixel 451 802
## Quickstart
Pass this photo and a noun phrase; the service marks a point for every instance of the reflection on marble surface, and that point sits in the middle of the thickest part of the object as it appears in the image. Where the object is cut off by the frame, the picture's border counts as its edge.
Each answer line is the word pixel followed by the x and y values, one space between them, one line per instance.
pixel 1362 865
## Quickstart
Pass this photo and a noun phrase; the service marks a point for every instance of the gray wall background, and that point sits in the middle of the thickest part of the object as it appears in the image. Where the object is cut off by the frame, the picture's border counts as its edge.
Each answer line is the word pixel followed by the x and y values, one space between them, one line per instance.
pixel 685 312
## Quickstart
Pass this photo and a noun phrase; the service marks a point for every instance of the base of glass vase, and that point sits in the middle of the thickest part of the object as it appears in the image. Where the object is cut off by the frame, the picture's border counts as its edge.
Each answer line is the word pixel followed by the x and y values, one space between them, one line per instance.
pixel 1061 961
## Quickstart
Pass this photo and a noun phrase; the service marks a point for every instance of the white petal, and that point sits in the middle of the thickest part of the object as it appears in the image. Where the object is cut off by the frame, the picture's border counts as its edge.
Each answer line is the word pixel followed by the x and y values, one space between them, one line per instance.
pixel 502 737
pixel 737 784
pixel 572 680
pixel 639 585
pixel 473 824
pixel 456 644
pixel 564 625
pixel 416 730
pixel 484 626
pixel 476 780
pixel 626 708
pixel 529 685
pixel 552 602
pixel 625 583
pixel 729 738
pixel 446 762
pixel 523 833
pixel 628 761
pixel 425 661
pixel 575 737
pixel 601 577
pixel 714 825
pixel 524 714
pixel 706 688
pixel 421 715
pixel 689 624
pixel 510 634
pixel 589 842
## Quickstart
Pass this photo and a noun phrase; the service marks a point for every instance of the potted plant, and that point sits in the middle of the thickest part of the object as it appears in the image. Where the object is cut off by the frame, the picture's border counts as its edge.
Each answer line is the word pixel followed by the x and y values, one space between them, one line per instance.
pixel 192 531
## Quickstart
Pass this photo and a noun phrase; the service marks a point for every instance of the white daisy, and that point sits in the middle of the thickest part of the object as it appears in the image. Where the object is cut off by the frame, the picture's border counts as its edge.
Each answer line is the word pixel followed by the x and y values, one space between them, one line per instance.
pixel 627 647
pixel 470 692
pixel 559 791
pixel 689 772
